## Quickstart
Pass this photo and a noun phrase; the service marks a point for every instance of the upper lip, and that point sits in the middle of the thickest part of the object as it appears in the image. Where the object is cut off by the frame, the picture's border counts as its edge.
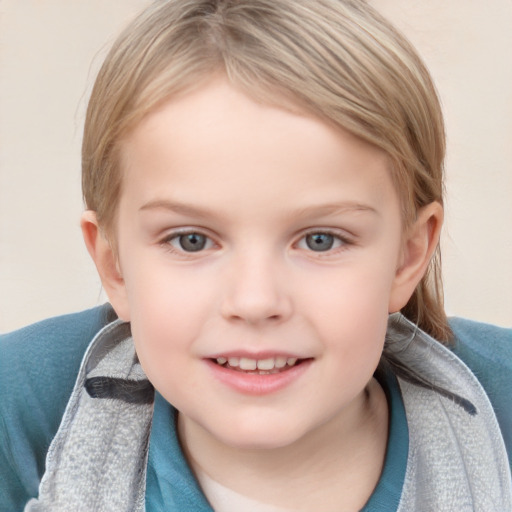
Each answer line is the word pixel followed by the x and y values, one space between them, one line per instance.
pixel 266 354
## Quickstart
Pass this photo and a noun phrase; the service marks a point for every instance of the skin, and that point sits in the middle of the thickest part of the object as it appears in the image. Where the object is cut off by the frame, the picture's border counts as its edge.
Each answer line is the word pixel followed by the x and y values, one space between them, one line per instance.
pixel 256 180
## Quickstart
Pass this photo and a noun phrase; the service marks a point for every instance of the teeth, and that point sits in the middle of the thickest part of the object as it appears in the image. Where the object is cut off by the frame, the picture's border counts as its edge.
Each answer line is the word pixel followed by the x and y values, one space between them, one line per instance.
pixel 280 362
pixel 265 365
pixel 248 364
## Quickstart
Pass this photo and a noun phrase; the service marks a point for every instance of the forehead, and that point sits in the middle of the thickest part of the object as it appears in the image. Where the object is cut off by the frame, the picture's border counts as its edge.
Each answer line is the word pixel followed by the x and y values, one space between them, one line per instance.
pixel 217 139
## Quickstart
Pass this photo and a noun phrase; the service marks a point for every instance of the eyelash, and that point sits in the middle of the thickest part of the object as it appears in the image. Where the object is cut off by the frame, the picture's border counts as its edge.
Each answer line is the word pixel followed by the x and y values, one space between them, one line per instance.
pixel 176 235
pixel 342 241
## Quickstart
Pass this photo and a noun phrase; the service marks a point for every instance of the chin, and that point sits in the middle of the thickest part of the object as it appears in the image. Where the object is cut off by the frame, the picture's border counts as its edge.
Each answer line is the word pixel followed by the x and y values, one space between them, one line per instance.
pixel 266 436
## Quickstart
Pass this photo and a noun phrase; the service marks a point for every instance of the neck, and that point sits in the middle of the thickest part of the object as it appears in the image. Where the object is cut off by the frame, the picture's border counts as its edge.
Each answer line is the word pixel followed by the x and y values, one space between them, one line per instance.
pixel 334 467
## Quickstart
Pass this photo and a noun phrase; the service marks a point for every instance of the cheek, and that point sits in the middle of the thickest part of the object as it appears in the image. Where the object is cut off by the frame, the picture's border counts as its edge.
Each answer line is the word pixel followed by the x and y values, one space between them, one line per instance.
pixel 168 310
pixel 163 341
pixel 165 295
pixel 354 335
pixel 352 294
pixel 350 311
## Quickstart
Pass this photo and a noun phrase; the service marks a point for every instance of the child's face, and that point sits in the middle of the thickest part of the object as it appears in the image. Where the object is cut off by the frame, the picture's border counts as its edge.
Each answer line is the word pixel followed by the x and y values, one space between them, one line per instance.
pixel 246 231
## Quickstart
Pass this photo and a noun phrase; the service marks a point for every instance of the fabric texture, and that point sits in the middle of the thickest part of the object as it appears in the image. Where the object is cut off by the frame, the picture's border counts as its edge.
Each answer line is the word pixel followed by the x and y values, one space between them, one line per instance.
pixel 38 369
pixel 32 404
pixel 98 459
pixel 457 456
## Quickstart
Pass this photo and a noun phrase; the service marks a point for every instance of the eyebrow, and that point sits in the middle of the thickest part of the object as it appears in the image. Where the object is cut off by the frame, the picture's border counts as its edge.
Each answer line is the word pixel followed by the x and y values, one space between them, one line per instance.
pixel 316 210
pixel 180 208
pixel 335 209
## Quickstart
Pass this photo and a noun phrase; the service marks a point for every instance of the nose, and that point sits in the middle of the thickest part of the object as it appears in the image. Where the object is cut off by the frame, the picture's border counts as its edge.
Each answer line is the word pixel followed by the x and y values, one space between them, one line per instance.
pixel 256 291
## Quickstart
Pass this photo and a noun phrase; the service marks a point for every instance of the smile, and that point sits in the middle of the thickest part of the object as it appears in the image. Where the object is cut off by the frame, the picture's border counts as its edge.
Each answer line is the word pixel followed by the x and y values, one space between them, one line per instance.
pixel 267 366
pixel 258 376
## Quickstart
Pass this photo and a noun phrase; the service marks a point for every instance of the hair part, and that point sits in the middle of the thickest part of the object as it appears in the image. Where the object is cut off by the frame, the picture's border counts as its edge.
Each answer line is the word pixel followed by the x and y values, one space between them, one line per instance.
pixel 337 59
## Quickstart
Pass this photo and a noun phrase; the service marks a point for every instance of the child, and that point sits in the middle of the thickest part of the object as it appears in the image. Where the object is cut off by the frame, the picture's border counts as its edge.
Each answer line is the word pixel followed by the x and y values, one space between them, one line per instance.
pixel 263 182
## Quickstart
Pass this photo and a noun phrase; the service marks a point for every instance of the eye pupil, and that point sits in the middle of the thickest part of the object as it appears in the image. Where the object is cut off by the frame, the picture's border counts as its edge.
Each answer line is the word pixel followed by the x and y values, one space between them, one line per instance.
pixel 192 242
pixel 320 241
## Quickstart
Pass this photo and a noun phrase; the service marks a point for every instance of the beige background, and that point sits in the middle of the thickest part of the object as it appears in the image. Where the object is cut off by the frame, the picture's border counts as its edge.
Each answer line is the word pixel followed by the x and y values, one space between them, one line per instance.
pixel 49 53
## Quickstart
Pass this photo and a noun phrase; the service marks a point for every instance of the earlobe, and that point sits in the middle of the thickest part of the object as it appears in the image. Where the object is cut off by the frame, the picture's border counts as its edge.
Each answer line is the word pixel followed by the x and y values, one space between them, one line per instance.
pixel 106 262
pixel 420 243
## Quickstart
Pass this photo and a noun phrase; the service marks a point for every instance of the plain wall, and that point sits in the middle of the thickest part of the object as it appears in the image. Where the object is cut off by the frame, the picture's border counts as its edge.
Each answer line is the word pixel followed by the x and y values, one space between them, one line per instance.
pixel 49 54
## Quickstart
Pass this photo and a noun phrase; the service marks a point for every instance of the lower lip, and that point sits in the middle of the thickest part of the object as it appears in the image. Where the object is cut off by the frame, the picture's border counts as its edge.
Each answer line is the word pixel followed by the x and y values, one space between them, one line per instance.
pixel 256 384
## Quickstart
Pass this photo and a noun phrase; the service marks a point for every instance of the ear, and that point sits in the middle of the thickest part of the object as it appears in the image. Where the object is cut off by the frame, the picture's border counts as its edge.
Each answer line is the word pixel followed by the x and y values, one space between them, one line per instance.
pixel 420 242
pixel 107 263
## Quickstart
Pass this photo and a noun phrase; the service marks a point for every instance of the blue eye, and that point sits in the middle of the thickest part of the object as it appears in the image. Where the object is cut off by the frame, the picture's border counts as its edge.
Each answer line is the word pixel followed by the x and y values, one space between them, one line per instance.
pixel 321 241
pixel 190 242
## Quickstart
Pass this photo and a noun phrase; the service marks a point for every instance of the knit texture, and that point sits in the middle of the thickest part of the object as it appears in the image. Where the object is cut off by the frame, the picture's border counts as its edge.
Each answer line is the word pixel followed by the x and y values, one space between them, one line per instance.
pixel 457 458
pixel 97 461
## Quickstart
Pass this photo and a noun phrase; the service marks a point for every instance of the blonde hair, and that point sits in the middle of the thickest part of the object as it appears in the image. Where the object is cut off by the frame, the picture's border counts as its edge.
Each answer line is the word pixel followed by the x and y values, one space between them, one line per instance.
pixel 338 59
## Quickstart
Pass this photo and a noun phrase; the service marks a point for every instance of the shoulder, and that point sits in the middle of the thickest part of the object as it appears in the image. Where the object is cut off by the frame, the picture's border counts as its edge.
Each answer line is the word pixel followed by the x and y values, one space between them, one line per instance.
pixel 38 368
pixel 487 351
pixel 52 349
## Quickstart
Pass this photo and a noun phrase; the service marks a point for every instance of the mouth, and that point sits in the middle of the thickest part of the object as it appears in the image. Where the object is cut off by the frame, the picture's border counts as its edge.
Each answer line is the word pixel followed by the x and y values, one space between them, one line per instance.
pixel 267 366
pixel 258 376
